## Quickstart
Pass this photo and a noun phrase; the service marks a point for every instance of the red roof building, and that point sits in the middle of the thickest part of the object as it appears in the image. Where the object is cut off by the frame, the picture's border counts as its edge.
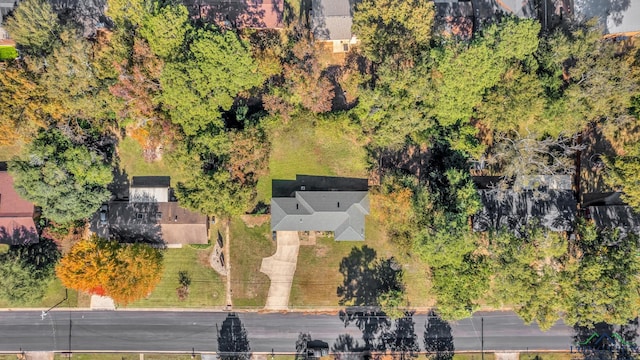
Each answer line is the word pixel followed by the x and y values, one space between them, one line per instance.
pixel 16 215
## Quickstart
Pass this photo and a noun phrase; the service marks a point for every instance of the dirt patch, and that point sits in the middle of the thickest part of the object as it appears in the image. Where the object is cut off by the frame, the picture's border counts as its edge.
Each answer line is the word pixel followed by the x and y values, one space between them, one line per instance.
pixel 307 238
pixel 321 250
pixel 254 220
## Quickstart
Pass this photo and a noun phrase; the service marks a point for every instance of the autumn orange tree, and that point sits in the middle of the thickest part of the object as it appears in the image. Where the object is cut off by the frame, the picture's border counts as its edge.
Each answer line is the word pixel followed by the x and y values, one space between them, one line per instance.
pixel 124 272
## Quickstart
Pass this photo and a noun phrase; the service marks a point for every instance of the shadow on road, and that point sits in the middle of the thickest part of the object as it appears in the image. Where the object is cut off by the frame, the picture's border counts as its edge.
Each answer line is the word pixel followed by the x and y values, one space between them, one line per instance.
pixel 438 339
pixel 233 342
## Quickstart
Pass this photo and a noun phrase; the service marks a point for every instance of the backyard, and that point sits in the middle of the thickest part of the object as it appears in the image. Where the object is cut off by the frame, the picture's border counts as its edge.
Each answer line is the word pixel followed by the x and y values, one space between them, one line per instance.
pixel 248 246
pixel 306 149
pixel 207 287
pixel 134 164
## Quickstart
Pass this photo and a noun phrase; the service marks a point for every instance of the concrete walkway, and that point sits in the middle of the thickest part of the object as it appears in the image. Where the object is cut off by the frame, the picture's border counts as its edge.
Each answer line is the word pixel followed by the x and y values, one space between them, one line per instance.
pixel 280 268
pixel 102 303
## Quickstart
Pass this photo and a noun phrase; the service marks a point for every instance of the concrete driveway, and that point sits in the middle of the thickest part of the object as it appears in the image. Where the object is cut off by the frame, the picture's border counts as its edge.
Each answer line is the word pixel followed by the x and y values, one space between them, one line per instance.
pixel 280 268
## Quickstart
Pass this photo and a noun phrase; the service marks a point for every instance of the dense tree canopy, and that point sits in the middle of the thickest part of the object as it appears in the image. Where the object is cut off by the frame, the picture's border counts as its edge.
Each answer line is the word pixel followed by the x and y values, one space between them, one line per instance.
pixel 67 180
pixel 124 272
pixel 198 88
pixel 34 26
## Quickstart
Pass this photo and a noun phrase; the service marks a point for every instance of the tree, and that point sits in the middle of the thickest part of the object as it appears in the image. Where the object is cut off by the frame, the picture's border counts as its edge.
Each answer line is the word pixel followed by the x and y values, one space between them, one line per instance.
pixel 393 29
pixel 34 26
pixel 394 208
pixel 67 180
pixel 21 97
pixel 18 285
pixel 249 156
pixel 606 287
pixel 165 29
pixel 215 192
pixel 217 66
pixel 529 272
pixel 623 174
pixel 25 271
pixel 124 272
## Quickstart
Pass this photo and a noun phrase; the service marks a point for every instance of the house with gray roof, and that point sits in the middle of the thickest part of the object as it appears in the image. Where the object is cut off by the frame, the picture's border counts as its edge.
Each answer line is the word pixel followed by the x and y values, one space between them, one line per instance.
pixel 150 213
pixel 342 212
pixel 511 209
pixel 331 21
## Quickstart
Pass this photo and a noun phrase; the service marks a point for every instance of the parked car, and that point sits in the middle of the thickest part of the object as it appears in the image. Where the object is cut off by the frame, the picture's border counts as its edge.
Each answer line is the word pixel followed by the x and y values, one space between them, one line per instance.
pixel 104 209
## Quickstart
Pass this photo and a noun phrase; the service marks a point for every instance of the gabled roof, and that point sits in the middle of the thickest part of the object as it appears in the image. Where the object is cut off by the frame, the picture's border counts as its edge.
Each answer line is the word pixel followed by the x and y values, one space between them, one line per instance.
pixel 152 222
pixel 553 209
pixel 332 19
pixel 342 212
pixel 621 217
pixel 16 215
pixel 254 14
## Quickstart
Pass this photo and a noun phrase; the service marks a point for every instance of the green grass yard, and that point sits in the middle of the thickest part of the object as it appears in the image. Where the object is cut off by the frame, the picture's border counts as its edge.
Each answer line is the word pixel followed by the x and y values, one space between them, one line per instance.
pixel 54 293
pixel 248 246
pixel 132 161
pixel 207 287
pixel 311 150
pixel 318 277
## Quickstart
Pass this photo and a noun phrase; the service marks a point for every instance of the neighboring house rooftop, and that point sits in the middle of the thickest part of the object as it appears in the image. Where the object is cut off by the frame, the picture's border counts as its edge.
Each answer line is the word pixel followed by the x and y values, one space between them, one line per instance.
pixel 454 18
pixel 255 14
pixel 615 17
pixel 331 19
pixel 342 212
pixel 553 209
pixel 149 222
pixel 16 215
pixel 613 217
pixel 151 215
pixel 551 182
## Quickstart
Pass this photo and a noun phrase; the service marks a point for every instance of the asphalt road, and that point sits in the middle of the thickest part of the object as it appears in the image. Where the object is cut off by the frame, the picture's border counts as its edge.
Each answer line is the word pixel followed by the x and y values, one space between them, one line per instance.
pixel 182 331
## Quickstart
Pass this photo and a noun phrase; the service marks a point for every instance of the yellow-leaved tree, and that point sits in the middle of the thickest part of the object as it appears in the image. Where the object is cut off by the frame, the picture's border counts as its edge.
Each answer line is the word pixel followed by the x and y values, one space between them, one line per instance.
pixel 124 272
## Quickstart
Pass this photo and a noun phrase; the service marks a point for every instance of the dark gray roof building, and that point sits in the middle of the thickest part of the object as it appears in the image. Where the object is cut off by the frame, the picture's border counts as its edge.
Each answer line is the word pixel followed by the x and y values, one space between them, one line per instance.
pixel 342 212
pixel 620 217
pixel 150 215
pixel 553 209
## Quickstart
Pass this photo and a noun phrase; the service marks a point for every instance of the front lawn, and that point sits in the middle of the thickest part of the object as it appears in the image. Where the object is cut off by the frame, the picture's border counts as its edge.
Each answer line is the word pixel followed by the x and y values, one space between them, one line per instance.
pixel 305 149
pixel 318 274
pixel 249 246
pixel 54 293
pixel 207 286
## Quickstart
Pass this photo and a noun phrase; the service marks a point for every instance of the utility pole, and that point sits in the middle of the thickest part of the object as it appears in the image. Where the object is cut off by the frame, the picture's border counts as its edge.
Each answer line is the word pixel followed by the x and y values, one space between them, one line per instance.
pixel 66 296
pixel 482 336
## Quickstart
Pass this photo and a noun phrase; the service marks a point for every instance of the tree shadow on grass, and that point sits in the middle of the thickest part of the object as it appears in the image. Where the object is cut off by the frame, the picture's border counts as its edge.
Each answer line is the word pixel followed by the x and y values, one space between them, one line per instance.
pixel 233 342
pixel 366 277
pixel 438 340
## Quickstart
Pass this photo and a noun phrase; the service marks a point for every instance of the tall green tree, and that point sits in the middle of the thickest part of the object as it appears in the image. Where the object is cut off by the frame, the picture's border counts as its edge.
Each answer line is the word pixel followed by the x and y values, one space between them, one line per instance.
pixel 606 286
pixel 196 89
pixel 392 29
pixel 529 273
pixel 67 180
pixel 165 29
pixel 34 26
pixel 623 174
